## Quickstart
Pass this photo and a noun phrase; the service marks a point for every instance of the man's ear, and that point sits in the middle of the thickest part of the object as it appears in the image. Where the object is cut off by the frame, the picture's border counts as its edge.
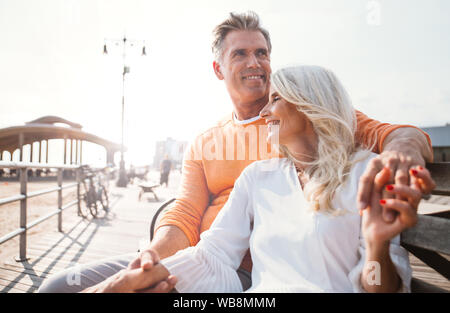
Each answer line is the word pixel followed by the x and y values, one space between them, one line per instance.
pixel 216 67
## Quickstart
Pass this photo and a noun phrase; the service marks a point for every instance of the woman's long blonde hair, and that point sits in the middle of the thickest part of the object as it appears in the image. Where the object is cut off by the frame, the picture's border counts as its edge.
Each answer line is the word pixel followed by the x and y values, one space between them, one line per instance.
pixel 319 95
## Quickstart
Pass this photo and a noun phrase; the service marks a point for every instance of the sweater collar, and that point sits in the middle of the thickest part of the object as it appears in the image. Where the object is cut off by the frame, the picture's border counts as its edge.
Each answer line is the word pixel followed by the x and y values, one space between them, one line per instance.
pixel 244 122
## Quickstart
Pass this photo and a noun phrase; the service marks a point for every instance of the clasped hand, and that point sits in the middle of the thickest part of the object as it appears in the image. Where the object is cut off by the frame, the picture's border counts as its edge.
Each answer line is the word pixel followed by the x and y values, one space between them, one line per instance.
pixel 392 208
pixel 143 275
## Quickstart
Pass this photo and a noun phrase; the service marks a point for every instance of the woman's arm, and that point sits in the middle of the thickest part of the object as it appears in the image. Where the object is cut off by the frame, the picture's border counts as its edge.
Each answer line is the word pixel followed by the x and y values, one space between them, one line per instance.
pixel 379 273
pixel 211 265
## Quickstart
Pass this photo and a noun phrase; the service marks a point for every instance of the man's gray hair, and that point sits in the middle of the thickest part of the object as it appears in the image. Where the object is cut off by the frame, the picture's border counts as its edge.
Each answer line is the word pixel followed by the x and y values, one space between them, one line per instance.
pixel 237 21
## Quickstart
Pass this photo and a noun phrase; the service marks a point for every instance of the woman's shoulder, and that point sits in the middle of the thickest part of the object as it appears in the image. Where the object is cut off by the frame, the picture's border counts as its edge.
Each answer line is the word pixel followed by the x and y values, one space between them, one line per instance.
pixel 265 169
pixel 269 166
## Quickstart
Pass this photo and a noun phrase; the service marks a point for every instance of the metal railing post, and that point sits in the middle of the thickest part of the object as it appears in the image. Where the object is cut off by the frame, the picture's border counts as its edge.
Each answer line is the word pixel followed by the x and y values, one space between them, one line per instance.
pixel 60 181
pixel 23 216
pixel 78 190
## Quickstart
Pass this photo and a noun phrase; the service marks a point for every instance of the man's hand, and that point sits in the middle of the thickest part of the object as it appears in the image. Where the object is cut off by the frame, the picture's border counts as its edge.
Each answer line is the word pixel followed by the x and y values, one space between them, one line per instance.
pixel 404 149
pixel 146 260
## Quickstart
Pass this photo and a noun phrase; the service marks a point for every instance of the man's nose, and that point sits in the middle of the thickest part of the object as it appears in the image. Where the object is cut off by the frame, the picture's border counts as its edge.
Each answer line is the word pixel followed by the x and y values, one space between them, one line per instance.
pixel 252 61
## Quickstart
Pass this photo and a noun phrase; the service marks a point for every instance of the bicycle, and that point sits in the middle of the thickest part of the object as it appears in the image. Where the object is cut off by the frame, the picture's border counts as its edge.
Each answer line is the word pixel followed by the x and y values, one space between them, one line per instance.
pixel 93 194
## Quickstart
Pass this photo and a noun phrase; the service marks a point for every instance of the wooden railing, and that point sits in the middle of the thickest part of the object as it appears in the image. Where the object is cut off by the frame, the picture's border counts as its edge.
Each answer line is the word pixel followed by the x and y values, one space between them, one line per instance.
pixel 24 226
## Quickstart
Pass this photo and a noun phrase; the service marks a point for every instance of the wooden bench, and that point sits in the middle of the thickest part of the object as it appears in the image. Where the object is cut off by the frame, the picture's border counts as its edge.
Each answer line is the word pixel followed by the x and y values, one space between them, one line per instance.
pixel 429 240
pixel 148 188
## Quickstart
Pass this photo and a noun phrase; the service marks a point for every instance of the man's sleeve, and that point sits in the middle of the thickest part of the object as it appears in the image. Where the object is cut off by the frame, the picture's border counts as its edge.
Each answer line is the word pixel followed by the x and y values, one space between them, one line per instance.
pixel 192 198
pixel 372 133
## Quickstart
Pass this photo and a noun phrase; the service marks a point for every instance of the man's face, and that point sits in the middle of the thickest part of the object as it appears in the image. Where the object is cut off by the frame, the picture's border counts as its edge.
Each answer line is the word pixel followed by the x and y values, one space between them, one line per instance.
pixel 245 66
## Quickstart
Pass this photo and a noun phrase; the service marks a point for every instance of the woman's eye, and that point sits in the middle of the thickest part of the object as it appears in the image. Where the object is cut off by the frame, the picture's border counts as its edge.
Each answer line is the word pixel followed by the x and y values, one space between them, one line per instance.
pixel 276 98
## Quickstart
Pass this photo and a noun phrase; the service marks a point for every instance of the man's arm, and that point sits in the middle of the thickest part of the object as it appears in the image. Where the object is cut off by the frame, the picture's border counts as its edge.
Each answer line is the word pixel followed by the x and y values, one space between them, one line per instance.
pixel 192 199
pixel 168 240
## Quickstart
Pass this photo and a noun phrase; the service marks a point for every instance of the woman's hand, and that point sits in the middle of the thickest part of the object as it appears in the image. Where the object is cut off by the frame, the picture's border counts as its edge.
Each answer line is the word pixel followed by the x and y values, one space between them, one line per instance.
pixel 155 279
pixel 379 230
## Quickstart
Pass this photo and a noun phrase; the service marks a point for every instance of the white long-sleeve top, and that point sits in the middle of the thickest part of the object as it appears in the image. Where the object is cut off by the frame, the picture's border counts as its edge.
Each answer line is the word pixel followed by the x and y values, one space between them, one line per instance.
pixel 293 248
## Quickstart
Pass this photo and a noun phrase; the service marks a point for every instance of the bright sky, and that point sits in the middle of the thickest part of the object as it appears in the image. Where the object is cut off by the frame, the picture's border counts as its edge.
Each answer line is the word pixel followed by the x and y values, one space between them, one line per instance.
pixel 391 55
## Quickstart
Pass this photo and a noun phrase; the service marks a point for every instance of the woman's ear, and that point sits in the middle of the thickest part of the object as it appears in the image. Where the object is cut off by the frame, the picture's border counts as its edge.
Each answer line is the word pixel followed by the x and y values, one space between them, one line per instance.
pixel 216 67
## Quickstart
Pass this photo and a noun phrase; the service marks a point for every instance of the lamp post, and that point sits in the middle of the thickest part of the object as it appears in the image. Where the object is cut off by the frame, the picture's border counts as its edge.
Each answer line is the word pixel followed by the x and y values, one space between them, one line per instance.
pixel 123 179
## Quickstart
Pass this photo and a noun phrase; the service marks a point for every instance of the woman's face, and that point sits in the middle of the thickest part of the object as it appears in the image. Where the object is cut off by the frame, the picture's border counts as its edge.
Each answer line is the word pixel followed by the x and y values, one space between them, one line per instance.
pixel 283 119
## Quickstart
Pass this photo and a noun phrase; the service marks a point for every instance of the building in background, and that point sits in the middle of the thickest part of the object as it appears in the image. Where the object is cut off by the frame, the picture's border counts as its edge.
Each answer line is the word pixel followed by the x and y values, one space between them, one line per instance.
pixel 440 140
pixel 173 148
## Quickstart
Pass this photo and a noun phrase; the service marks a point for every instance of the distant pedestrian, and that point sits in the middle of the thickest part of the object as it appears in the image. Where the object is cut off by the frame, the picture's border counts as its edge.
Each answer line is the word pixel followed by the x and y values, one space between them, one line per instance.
pixel 166 166
pixel 131 174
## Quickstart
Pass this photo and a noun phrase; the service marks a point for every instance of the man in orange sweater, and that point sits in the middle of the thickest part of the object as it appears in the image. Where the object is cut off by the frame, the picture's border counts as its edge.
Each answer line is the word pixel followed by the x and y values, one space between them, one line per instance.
pixel 217 157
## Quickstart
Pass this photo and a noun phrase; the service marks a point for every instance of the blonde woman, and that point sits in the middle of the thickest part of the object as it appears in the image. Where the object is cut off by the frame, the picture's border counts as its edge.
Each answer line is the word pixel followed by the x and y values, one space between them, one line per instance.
pixel 297 214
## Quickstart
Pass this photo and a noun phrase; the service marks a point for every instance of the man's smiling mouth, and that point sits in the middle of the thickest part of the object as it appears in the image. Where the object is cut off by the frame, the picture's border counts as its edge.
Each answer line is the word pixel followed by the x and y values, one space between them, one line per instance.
pixel 253 77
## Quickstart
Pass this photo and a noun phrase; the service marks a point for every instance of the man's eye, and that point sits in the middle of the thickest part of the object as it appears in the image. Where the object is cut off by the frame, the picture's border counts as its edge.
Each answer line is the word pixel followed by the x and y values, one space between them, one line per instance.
pixel 261 53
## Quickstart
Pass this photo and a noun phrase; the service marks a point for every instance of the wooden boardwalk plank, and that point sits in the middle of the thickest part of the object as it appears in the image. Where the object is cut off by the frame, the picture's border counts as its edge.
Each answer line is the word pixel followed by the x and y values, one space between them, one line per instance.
pixel 40 271
pixel 16 278
pixel 5 286
pixel 95 249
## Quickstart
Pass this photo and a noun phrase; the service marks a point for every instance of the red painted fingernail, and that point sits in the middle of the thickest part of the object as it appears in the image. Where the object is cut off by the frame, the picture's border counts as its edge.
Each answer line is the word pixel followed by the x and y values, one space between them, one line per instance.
pixel 389 187
pixel 382 201
pixel 414 172
pixel 420 168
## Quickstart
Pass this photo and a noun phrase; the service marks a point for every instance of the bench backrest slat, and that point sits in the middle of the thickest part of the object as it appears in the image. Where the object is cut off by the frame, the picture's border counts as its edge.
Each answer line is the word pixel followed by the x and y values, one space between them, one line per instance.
pixel 431 233
pixel 441 175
